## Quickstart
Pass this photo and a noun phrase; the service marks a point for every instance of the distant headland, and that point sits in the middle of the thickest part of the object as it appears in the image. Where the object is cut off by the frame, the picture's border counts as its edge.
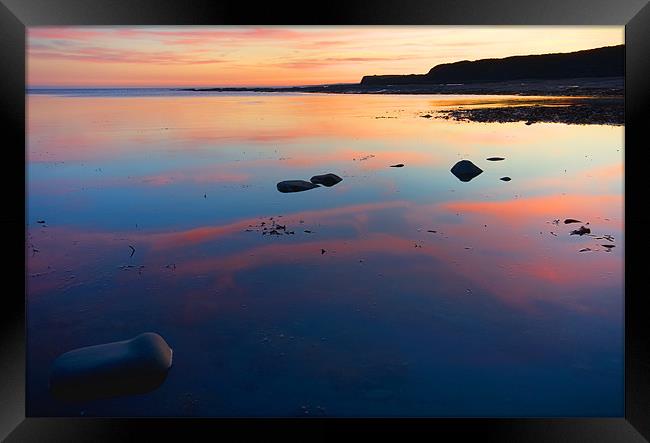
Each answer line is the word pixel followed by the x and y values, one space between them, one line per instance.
pixel 595 72
pixel 601 62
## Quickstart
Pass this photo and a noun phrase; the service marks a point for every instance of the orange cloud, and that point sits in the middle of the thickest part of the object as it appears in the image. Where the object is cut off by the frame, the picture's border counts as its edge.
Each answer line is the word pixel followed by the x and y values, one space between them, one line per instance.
pixel 279 55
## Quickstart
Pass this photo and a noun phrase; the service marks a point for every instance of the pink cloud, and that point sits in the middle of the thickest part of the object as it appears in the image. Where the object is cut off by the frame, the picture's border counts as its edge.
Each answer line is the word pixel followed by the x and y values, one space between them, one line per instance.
pixel 106 55
pixel 328 61
pixel 71 33
pixel 179 36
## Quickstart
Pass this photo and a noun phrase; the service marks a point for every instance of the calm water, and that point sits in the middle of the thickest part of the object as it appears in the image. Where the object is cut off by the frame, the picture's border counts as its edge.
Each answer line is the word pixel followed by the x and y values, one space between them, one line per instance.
pixel 497 313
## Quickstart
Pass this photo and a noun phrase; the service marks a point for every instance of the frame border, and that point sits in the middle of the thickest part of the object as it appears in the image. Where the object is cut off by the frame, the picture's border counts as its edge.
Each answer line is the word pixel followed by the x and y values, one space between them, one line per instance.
pixel 16 15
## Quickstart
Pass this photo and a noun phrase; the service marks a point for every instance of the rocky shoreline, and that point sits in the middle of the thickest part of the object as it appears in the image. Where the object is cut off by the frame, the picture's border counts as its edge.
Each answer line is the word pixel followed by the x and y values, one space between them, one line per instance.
pixel 585 100
pixel 572 87
pixel 583 112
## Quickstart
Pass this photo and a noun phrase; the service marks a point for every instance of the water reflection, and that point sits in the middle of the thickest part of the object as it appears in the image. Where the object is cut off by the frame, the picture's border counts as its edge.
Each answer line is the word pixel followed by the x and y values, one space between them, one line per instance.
pixel 399 291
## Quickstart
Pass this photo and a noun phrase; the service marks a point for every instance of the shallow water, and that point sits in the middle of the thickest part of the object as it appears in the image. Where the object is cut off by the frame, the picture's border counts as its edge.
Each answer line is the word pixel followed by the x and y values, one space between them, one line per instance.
pixel 497 313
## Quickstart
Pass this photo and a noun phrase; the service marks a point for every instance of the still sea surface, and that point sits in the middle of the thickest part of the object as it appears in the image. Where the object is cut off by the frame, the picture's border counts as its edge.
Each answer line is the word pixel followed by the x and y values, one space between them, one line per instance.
pixel 397 292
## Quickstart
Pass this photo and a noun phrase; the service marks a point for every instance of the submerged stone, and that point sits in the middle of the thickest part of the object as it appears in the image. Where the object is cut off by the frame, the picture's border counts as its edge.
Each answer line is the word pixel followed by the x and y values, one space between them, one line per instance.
pixel 326 179
pixel 114 369
pixel 505 179
pixel 399 165
pixel 495 159
pixel 465 170
pixel 295 186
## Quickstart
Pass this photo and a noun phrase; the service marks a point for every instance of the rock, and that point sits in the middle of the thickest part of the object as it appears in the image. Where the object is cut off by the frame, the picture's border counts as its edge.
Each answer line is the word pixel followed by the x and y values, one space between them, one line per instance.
pixel 495 159
pixel 426 116
pixel 505 179
pixel 119 368
pixel 581 231
pixel 465 170
pixel 571 220
pixel 295 186
pixel 326 179
pixel 399 165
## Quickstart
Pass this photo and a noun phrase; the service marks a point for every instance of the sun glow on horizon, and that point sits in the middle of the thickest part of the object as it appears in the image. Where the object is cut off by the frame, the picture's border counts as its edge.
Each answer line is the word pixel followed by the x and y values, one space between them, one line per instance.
pixel 277 56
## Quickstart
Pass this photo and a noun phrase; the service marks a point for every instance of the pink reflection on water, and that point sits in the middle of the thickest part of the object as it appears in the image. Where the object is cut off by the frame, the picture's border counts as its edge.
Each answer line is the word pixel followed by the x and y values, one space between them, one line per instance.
pixel 167 240
pixel 593 179
pixel 196 177
pixel 516 211
pixel 502 248
pixel 66 129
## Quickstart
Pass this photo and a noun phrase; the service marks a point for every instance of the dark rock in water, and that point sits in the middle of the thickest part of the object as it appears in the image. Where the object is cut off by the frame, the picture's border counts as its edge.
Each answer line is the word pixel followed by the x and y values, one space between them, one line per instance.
pixel 608 246
pixel 495 159
pixel 399 165
pixel 465 170
pixel 571 220
pixel 295 186
pixel 426 116
pixel 40 222
pixel 585 250
pixel 505 179
pixel 326 179
pixel 120 368
pixel 581 231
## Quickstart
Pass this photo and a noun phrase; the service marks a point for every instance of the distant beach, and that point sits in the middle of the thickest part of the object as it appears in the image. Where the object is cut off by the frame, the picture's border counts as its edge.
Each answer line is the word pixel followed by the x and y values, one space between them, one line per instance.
pixel 594 100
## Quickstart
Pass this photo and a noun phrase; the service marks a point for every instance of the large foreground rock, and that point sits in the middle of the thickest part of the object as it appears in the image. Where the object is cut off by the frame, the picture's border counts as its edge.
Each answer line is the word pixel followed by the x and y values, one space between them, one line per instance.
pixel 465 170
pixel 127 367
pixel 326 179
pixel 295 186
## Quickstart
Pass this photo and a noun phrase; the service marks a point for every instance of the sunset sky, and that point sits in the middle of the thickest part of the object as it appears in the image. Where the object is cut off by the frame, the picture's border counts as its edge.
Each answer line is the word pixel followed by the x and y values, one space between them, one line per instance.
pixel 273 56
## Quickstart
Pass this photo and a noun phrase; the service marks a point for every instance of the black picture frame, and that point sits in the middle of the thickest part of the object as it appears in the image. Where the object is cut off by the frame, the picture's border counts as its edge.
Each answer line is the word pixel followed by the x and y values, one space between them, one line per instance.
pixel 15 15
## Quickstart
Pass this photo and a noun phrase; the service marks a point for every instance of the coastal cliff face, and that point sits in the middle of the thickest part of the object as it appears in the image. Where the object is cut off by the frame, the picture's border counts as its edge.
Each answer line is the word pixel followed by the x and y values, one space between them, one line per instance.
pixel 608 61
